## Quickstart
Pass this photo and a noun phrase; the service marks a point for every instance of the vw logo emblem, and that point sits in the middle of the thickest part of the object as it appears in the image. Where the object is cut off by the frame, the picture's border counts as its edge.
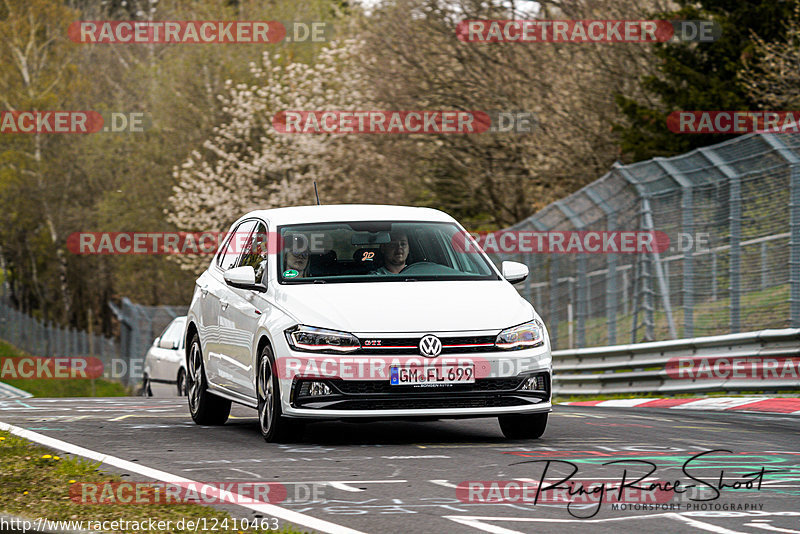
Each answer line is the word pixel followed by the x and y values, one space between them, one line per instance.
pixel 430 346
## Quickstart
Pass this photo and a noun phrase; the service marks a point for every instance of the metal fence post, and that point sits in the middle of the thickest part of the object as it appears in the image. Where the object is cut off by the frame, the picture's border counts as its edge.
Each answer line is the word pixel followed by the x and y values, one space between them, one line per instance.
pixel 611 287
pixel 659 271
pixel 736 252
pixel 687 226
pixel 553 300
pixel 794 245
pixel 581 301
pixel 735 230
pixel 794 224
pixel 625 296
pixel 713 275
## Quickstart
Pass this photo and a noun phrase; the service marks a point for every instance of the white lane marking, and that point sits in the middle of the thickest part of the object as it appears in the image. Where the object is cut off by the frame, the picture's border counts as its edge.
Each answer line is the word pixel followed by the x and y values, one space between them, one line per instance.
pixel 444 483
pixel 716 403
pixel 479 522
pixel 419 457
pixel 708 527
pixel 345 484
pixel 254 475
pixel 773 528
pixel 624 403
pixel 476 522
pixel 293 517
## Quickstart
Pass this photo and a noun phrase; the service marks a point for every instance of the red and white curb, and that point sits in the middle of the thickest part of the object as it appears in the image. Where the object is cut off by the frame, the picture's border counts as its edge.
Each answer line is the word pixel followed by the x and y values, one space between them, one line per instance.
pixel 784 405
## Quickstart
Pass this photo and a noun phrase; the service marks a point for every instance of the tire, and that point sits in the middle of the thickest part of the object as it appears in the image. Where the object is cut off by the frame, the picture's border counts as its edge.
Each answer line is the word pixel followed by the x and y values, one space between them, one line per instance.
pixel 274 427
pixel 523 426
pixel 206 409
pixel 146 390
pixel 183 388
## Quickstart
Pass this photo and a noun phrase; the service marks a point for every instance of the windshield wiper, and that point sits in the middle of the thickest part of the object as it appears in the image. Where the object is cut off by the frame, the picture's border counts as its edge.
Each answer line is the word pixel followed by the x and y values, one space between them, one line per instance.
pixel 319 281
pixel 410 280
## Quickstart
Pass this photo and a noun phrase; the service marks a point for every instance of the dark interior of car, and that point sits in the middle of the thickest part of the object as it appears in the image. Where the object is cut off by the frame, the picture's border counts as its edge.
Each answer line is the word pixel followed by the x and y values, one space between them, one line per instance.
pixel 363 261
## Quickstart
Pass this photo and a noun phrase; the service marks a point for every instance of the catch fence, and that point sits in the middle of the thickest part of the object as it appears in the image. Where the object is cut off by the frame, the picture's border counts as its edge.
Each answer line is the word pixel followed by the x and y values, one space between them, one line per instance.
pixel 732 215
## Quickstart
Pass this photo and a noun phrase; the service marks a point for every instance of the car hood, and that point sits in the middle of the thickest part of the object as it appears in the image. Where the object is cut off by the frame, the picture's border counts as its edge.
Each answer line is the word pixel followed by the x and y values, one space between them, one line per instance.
pixel 406 306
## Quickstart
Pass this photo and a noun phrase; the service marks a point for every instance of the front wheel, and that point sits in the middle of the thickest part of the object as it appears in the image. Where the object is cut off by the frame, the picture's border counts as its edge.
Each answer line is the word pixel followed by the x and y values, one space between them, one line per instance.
pixel 182 386
pixel 274 427
pixel 523 426
pixel 146 390
pixel 206 409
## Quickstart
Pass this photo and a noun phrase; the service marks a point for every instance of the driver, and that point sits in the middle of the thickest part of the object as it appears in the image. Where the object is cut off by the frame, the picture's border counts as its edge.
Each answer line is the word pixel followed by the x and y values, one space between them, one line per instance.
pixel 395 254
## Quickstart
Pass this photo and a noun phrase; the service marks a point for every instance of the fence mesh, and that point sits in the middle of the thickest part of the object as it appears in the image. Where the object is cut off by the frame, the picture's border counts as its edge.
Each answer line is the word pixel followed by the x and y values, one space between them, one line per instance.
pixel 123 358
pixel 50 340
pixel 732 215
pixel 139 326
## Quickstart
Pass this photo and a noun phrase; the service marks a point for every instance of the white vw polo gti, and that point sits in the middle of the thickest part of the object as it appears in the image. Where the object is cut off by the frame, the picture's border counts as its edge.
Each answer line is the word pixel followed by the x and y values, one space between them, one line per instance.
pixel 363 312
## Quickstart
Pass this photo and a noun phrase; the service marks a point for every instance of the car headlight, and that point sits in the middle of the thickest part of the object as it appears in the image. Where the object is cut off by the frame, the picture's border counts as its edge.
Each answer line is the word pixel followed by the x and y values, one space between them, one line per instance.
pixel 523 336
pixel 309 338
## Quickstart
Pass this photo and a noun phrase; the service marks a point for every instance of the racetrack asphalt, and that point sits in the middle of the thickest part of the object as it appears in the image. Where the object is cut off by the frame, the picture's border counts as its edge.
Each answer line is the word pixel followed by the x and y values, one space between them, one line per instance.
pixel 400 476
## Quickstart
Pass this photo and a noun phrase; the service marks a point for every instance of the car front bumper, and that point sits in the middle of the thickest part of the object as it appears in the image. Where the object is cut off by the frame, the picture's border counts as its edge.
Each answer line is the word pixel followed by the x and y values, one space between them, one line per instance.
pixel 498 391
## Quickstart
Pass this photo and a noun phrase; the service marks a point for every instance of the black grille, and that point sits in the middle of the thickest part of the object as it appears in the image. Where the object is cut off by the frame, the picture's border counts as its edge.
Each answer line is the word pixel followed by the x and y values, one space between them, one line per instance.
pixel 366 387
pixel 410 345
pixel 428 403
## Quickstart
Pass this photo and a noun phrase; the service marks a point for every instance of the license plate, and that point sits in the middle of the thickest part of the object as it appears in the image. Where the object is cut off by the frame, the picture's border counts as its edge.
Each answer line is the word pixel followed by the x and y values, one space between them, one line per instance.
pixel 433 374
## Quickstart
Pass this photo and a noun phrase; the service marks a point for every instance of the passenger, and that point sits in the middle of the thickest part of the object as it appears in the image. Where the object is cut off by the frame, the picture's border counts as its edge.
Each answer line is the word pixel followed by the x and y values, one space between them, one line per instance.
pixel 295 260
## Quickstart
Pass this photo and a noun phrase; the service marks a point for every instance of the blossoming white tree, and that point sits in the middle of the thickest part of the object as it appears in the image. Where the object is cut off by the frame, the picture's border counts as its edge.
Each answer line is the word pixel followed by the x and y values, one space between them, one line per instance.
pixel 247 164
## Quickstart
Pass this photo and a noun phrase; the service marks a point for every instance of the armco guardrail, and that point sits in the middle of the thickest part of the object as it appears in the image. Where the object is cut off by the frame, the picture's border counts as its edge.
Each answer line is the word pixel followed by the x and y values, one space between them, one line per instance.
pixel 767 360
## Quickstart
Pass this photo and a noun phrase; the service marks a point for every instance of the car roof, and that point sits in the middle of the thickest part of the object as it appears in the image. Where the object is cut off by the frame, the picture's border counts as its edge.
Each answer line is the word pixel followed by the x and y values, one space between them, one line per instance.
pixel 348 212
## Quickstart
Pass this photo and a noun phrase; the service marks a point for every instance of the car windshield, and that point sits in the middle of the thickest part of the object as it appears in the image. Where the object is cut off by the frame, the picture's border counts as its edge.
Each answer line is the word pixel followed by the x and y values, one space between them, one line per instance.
pixel 378 251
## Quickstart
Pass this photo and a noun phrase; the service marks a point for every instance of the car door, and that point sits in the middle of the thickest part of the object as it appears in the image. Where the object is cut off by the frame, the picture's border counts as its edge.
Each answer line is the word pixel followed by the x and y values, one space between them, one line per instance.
pixel 215 295
pixel 158 352
pixel 172 355
pixel 243 312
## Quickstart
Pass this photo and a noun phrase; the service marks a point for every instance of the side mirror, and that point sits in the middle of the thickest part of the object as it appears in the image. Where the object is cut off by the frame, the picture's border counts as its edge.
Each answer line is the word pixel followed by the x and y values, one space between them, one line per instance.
pixel 514 271
pixel 243 278
pixel 167 344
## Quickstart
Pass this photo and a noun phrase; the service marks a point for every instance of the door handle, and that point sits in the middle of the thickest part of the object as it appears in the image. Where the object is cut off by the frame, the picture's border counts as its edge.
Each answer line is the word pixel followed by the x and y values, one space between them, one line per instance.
pixel 224 304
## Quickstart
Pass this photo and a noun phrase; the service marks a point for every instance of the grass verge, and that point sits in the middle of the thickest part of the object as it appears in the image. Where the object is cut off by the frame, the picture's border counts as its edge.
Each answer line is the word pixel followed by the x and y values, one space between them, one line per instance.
pixel 36 483
pixel 71 387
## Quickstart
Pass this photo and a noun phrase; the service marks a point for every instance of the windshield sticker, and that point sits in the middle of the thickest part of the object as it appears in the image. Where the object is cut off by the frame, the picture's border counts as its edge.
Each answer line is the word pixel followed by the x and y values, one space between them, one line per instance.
pixel 290 273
